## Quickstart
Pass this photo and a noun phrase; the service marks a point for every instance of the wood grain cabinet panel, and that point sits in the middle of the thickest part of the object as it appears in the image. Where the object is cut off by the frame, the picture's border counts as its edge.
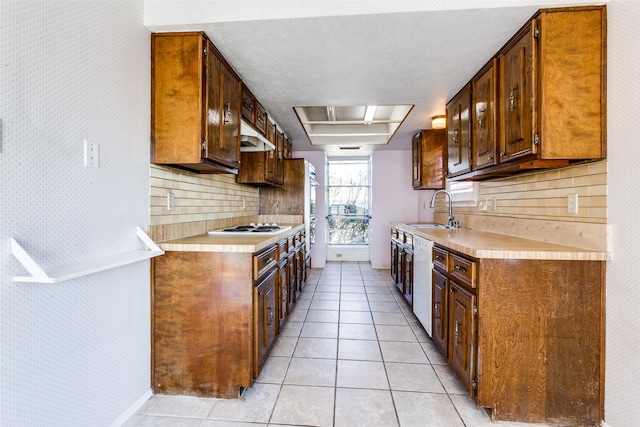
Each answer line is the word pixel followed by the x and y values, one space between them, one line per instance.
pixel 459 133
pixel 428 148
pixel 550 97
pixel 195 111
pixel 484 132
pixel 525 337
pixel 215 317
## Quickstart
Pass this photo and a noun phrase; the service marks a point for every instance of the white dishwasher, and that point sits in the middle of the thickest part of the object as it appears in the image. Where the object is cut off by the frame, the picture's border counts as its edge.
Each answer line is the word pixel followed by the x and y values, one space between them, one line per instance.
pixel 422 296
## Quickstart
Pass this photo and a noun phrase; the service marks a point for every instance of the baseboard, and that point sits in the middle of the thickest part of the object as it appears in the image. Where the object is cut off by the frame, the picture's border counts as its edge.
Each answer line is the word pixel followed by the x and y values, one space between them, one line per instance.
pixel 603 424
pixel 132 409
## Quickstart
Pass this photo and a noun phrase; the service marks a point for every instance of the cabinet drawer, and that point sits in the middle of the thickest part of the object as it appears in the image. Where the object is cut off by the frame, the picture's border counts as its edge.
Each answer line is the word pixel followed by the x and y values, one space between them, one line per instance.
pixel 408 240
pixel 282 250
pixel 439 258
pixel 264 261
pixel 463 269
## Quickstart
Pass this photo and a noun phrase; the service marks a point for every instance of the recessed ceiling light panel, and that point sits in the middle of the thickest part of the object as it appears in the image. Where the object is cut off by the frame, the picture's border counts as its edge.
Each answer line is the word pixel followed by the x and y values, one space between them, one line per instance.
pixel 356 126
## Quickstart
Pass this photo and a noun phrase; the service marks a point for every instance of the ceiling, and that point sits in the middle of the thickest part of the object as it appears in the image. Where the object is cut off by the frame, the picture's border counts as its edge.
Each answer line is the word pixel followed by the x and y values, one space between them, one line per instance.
pixel 420 58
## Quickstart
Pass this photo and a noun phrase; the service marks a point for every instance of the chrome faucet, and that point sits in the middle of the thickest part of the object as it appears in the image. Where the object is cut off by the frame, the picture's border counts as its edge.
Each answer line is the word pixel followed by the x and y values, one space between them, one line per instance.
pixel 452 223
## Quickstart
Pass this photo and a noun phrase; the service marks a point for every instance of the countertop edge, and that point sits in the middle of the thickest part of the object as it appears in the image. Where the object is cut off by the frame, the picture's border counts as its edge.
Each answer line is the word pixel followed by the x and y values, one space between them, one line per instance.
pixel 491 248
pixel 213 243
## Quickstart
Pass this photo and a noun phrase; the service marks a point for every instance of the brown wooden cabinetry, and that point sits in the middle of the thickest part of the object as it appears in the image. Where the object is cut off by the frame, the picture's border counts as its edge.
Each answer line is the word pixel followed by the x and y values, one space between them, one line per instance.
pixel 440 320
pixel 459 133
pixel 402 263
pixel 524 336
pixel 196 101
pixel 253 112
pixel 484 131
pixel 428 149
pixel 265 317
pixel 549 83
pixel 216 315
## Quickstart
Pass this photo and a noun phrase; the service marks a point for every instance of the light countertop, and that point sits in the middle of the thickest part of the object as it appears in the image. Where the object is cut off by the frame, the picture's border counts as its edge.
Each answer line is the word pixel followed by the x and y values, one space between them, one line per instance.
pixel 232 242
pixel 482 244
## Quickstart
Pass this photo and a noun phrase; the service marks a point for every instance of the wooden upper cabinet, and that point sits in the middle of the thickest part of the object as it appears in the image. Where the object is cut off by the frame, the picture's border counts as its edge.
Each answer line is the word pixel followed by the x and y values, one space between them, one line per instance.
pixel 484 117
pixel 223 139
pixel 248 105
pixel 458 133
pixel 516 88
pixel 195 105
pixel 541 100
pixel 428 149
pixel 252 111
pixel 553 101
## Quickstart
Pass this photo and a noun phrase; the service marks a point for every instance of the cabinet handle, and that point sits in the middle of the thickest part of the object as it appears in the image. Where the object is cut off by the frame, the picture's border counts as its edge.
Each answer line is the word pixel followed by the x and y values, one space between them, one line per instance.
pixel 456 334
pixel 481 116
pixel 436 309
pixel 227 113
pixel 261 119
pixel 460 268
pixel 248 105
pixel 455 136
pixel 503 154
pixel 512 97
pixel 490 158
pixel 439 258
pixel 270 311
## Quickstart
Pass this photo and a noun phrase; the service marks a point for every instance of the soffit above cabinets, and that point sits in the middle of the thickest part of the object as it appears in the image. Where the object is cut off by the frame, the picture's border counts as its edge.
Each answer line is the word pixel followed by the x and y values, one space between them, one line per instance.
pixel 351 126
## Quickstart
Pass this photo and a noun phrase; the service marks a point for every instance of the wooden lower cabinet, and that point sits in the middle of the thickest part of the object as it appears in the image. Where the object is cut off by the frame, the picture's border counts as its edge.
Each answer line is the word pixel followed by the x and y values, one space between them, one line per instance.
pixel 265 317
pixel 527 339
pixel 462 334
pixel 440 321
pixel 216 316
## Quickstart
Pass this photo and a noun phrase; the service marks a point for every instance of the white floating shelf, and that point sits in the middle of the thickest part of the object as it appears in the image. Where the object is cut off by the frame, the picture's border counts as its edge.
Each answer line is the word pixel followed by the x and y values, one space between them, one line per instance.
pixel 55 275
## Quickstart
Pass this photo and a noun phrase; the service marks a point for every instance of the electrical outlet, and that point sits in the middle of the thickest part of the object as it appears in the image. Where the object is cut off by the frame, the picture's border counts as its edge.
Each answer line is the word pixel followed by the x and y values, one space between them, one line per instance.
pixel 171 201
pixel 482 205
pixel 572 203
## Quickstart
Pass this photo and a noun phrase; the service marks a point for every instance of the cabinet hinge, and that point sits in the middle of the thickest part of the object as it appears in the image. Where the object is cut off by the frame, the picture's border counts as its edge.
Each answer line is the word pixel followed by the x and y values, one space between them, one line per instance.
pixel 474 384
pixel 204 51
pixel 204 145
pixel 475 309
pixel 536 32
pixel 536 139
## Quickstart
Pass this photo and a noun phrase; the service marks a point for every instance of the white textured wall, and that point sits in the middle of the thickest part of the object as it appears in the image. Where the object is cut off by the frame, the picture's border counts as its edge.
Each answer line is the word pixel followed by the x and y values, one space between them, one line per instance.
pixel 393 200
pixel 75 353
pixel 622 378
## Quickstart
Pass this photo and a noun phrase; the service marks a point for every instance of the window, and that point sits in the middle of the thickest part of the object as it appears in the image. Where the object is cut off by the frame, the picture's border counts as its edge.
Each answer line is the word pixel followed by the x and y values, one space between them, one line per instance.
pixel 349 196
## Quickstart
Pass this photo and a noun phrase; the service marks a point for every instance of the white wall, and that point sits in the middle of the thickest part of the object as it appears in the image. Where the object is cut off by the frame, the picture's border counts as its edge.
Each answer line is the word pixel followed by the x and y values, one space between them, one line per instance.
pixel 622 374
pixel 393 200
pixel 76 353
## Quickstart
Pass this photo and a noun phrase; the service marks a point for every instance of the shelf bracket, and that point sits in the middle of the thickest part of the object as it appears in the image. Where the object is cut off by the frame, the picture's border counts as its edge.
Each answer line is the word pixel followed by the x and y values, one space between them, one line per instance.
pixel 38 275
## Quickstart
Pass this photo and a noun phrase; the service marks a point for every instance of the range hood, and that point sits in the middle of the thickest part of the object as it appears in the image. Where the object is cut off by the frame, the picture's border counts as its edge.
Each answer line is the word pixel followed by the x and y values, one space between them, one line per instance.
pixel 251 140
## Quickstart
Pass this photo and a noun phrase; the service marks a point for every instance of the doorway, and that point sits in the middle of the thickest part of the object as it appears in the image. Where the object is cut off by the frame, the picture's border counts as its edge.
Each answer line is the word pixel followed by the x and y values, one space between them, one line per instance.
pixel 349 206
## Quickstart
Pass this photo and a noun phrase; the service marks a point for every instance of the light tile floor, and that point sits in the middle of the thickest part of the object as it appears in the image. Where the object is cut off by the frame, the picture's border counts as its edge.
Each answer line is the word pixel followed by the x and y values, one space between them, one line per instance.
pixel 351 354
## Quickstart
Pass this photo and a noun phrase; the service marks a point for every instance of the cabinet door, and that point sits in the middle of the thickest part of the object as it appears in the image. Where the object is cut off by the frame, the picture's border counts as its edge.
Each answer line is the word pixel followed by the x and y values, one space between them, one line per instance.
pixel 483 138
pixel 394 261
pixel 248 105
pixel 265 323
pixel 458 133
pixel 517 96
pixel 283 293
pixel 223 112
pixel 408 276
pixel 416 155
pixel 439 315
pixel 462 337
pixel 271 162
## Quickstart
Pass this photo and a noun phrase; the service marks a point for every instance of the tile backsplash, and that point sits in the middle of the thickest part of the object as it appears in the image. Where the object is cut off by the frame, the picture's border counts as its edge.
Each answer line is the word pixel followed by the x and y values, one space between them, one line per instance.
pixel 202 202
pixel 534 205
